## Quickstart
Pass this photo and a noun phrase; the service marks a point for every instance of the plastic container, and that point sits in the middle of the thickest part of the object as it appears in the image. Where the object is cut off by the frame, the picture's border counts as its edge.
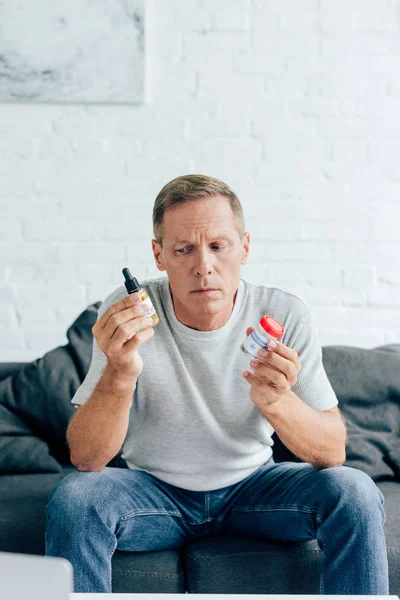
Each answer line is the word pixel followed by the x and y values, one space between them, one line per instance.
pixel 132 285
pixel 267 328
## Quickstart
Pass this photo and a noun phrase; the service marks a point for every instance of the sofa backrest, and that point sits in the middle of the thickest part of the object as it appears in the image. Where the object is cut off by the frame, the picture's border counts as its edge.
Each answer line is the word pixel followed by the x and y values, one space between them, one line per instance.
pixel 8 368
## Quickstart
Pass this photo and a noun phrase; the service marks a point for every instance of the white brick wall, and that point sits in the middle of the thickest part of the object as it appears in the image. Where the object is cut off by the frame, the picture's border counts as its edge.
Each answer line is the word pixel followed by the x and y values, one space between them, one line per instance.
pixel 296 105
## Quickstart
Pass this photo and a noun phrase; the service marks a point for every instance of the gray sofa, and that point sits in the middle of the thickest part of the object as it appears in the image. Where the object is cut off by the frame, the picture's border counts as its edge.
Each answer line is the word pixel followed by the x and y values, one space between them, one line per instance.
pixel 34 412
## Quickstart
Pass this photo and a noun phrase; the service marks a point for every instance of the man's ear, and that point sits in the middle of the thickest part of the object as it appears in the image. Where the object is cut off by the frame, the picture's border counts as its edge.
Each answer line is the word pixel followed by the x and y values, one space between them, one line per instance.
pixel 157 251
pixel 246 247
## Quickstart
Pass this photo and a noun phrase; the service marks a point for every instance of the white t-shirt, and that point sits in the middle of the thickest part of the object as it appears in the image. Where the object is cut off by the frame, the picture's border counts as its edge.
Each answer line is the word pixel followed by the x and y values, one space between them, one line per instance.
pixel 192 423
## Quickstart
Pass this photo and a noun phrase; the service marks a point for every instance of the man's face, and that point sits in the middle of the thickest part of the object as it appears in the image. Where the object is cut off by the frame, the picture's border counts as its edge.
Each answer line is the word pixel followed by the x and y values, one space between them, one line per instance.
pixel 202 249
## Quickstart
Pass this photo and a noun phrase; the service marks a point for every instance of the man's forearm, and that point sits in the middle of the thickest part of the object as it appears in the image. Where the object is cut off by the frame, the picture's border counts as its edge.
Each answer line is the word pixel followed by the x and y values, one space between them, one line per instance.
pixel 314 436
pixel 97 431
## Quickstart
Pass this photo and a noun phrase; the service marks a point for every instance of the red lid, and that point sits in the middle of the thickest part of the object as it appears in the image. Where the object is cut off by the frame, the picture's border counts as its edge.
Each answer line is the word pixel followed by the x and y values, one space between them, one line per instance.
pixel 272 326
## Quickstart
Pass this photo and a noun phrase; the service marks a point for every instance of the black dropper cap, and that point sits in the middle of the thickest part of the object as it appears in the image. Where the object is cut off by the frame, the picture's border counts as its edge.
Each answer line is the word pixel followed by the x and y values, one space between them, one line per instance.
pixel 131 283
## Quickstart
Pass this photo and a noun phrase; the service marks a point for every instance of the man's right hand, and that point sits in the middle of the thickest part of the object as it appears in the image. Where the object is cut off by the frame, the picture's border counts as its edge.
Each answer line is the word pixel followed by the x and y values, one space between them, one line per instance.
pixel 116 334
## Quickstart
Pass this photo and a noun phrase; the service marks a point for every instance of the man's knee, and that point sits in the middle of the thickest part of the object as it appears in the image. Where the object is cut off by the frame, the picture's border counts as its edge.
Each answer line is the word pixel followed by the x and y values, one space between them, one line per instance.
pixel 77 492
pixel 354 489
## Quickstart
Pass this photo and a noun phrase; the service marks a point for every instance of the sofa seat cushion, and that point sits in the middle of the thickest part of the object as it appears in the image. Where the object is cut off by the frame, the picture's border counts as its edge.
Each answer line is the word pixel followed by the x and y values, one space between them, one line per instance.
pixel 22 503
pixel 23 499
pixel 224 564
pixel 159 572
pixel 391 492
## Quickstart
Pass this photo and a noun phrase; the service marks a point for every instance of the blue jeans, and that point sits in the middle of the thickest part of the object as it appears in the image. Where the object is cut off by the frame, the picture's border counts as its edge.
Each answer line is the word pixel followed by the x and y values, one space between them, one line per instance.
pixel 91 514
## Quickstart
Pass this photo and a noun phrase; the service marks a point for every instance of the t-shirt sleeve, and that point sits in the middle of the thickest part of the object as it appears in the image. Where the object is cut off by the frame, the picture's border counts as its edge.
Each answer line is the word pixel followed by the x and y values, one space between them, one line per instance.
pixel 99 359
pixel 97 365
pixel 313 385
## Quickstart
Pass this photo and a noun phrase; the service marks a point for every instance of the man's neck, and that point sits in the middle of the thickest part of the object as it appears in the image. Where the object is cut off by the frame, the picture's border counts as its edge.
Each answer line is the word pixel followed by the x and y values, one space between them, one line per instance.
pixel 209 324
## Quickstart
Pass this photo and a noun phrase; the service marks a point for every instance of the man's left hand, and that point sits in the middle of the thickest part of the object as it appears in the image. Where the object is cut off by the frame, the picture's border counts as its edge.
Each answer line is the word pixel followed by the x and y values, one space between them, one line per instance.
pixel 274 374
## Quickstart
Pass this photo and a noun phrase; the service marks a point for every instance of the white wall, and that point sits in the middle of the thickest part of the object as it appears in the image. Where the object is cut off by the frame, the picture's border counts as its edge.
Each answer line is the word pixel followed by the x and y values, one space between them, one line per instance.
pixel 296 105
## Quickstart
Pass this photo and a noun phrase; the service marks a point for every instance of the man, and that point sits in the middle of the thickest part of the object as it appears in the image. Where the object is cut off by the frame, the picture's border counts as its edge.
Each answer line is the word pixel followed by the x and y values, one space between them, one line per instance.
pixel 195 419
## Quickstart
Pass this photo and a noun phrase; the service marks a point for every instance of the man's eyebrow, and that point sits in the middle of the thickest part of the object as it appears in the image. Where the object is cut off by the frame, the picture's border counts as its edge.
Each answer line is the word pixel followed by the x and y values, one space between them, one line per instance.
pixel 218 236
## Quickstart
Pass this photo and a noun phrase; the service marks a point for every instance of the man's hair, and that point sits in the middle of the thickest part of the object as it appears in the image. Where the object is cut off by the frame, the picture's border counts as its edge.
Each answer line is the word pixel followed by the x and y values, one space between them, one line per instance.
pixel 189 188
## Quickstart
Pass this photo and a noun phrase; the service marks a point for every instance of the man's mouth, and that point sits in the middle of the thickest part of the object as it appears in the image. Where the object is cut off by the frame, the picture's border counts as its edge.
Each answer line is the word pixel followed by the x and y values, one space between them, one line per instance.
pixel 205 290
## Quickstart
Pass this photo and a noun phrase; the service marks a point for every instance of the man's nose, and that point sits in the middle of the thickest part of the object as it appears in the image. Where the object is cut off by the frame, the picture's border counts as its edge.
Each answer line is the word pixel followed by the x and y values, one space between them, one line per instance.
pixel 203 270
pixel 203 264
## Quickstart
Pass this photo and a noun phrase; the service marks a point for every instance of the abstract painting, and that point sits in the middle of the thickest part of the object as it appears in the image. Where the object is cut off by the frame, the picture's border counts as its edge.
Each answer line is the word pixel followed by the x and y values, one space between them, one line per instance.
pixel 89 51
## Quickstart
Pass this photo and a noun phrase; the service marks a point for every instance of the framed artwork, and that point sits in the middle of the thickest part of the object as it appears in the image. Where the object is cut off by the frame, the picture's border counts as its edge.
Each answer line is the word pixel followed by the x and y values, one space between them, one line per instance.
pixel 84 51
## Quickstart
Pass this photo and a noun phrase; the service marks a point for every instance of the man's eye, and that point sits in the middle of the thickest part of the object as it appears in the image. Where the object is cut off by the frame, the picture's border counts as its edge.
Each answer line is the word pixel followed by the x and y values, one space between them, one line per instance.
pixel 179 251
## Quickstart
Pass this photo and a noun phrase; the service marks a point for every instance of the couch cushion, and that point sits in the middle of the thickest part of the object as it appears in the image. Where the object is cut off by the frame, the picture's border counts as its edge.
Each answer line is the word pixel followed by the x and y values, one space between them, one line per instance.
pixel 35 402
pixel 8 368
pixel 20 450
pixel 23 499
pixel 22 502
pixel 367 385
pixel 391 492
pixel 225 564
pixel 159 572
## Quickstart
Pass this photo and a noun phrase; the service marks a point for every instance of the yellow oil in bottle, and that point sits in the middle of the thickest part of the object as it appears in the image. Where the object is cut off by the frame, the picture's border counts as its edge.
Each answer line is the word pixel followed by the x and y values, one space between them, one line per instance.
pixel 145 299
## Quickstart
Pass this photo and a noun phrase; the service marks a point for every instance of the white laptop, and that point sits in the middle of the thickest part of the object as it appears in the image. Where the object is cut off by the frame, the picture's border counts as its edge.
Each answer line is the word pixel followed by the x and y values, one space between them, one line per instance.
pixel 31 577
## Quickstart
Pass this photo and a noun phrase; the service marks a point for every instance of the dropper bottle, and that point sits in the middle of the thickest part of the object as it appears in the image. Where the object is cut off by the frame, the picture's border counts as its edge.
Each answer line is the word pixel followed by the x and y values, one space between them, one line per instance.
pixel 132 285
